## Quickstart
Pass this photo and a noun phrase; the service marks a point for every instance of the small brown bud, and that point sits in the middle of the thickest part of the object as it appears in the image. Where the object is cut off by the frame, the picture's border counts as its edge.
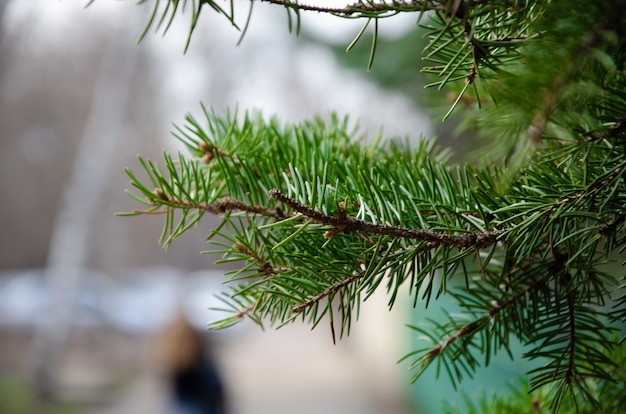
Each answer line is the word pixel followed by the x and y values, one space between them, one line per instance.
pixel 205 147
pixel 341 206
pixel 207 157
pixel 159 194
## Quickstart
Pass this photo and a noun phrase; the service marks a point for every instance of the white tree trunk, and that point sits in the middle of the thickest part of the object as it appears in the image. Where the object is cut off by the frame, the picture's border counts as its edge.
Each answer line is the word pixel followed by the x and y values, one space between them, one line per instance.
pixel 74 225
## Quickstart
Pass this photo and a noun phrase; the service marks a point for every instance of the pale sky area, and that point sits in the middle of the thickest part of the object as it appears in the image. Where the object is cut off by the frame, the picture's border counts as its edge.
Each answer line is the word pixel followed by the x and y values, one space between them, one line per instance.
pixel 269 71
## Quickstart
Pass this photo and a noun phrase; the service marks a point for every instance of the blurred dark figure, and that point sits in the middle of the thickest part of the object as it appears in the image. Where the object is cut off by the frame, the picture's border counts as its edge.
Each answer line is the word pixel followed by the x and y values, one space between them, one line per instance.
pixel 193 379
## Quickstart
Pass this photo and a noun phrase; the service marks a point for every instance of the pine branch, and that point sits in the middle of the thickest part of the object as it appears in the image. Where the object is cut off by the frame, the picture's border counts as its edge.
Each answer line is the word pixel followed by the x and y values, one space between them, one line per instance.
pixel 615 131
pixel 587 44
pixel 456 8
pixel 613 225
pixel 350 224
pixel 218 207
pixel 571 361
pixel 467 331
pixel 370 8
pixel 532 240
pixel 328 292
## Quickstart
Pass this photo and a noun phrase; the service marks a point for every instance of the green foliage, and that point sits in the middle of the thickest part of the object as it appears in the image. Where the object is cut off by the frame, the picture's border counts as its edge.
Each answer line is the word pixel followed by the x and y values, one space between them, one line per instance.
pixel 319 217
pixel 521 400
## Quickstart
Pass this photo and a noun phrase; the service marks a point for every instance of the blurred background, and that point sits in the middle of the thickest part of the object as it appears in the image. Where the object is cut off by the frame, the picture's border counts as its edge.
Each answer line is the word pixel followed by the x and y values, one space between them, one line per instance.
pixel 85 295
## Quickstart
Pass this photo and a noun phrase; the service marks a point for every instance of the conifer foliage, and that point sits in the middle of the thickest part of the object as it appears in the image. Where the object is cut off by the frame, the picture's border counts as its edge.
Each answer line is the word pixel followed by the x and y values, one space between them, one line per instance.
pixel 530 241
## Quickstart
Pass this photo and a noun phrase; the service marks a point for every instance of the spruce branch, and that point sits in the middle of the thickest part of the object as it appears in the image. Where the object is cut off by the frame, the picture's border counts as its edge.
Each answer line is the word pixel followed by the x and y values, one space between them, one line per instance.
pixel 242 313
pixel 351 224
pixel 618 129
pixel 322 220
pixel 328 292
pixel 467 331
pixel 220 206
pixel 612 226
pixel 587 44
pixel 571 361
pixel 371 8
pixel 267 269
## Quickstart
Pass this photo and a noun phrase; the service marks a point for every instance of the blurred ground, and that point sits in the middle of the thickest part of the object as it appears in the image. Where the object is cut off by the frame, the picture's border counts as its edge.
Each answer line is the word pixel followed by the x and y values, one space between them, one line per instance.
pixel 291 372
pixel 110 370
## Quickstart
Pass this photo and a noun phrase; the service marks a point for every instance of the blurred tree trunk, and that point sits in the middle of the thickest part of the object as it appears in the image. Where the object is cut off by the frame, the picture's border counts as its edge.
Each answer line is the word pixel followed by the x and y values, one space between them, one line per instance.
pixel 3 8
pixel 73 229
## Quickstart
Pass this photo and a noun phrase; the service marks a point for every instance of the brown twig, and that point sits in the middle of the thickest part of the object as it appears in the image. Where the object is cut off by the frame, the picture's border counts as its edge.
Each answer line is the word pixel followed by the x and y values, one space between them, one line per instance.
pixel 552 96
pixel 472 327
pixel 350 224
pixel 245 311
pixel 223 205
pixel 559 269
pixel 327 292
pixel 612 225
pixel 266 268
pixel 364 8
pixel 611 133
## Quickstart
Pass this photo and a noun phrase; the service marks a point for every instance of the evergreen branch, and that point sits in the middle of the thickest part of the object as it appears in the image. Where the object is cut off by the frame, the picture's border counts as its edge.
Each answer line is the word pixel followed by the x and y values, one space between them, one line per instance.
pixel 360 8
pixel 239 310
pixel 267 269
pixel 613 132
pixel 465 45
pixel 612 225
pixel 328 291
pixel 367 8
pixel 587 45
pixel 245 311
pixel 571 360
pixel 569 336
pixel 591 190
pixel 469 330
pixel 548 104
pixel 556 71
pixel 350 224
pixel 221 206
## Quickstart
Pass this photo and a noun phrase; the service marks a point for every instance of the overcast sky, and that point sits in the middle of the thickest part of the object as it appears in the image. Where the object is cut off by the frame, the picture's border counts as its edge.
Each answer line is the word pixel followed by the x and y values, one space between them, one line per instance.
pixel 271 70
